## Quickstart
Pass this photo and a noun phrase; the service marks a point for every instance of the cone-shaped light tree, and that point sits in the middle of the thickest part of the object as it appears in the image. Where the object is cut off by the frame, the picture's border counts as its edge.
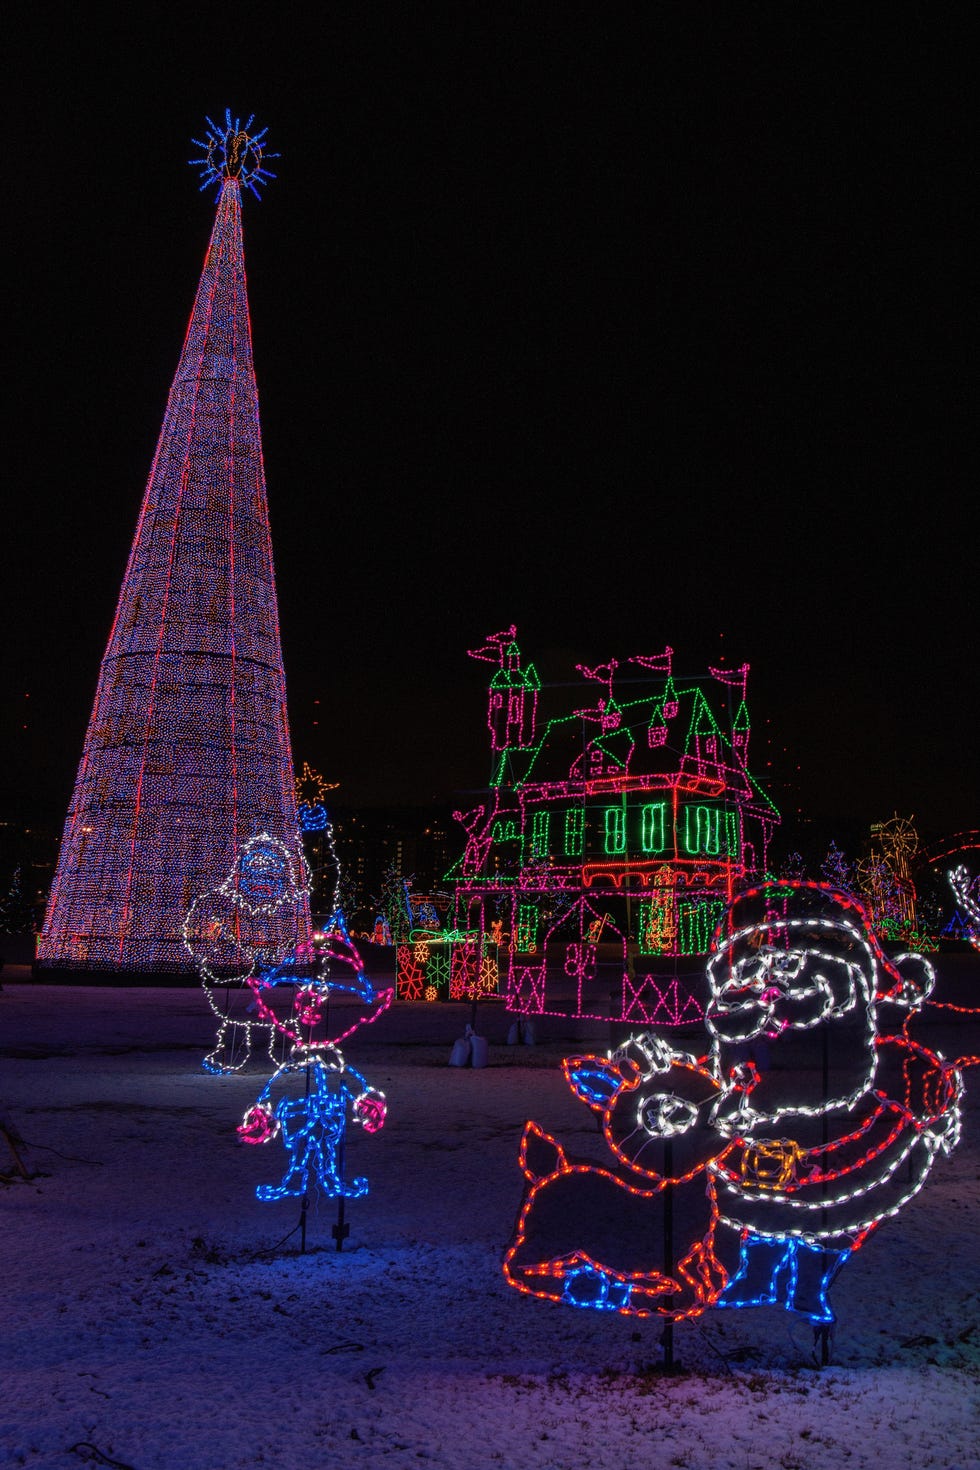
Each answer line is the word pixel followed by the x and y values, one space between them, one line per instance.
pixel 187 753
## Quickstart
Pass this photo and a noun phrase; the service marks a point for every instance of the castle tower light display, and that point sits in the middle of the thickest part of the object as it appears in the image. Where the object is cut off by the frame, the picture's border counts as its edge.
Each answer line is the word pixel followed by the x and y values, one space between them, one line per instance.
pixel 631 821
pixel 187 753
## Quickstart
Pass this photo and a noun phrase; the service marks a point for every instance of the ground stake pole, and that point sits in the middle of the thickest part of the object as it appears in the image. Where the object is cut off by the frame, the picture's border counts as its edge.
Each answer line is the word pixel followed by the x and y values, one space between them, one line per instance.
pixel 668 1333
pixel 824 1330
pixel 304 1207
pixel 341 1230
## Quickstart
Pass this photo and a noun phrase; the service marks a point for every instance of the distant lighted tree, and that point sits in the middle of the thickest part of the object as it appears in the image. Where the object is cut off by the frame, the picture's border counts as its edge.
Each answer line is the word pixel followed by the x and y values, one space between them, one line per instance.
pixel 347 896
pixel 16 910
pixel 793 868
pixel 393 905
pixel 836 870
pixel 318 837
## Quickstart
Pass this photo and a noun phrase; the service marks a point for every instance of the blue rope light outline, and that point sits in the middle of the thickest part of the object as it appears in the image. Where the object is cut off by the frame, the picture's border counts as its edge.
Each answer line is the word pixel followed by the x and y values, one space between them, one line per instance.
pixel 233 145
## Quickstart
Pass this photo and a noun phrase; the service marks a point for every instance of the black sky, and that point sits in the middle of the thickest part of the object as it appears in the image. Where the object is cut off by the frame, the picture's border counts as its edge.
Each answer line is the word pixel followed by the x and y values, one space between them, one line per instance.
pixel 630 326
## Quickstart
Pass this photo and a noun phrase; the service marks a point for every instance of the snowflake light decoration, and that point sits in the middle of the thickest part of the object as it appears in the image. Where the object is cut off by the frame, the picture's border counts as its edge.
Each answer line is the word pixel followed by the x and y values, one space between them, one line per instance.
pixel 232 152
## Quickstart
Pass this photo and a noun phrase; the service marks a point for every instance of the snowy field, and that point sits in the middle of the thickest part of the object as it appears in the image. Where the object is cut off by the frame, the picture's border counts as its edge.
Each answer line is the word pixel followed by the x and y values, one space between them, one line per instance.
pixel 156 1316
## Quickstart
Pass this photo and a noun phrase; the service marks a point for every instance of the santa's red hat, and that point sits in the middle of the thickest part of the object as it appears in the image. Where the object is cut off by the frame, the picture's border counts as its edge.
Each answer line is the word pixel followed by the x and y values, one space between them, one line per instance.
pixel 833 921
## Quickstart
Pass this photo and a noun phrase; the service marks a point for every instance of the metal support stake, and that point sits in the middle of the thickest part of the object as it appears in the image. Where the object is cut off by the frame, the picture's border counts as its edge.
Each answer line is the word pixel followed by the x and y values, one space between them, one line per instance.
pixel 667 1338
pixel 824 1330
pixel 341 1230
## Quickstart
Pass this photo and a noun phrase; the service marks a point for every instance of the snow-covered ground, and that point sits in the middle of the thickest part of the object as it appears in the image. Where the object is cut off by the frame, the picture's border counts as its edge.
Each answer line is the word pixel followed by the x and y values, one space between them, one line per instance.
pixel 157 1316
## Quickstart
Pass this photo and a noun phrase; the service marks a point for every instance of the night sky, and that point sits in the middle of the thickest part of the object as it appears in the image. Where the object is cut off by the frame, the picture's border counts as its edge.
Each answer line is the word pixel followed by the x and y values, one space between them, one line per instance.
pixel 628 325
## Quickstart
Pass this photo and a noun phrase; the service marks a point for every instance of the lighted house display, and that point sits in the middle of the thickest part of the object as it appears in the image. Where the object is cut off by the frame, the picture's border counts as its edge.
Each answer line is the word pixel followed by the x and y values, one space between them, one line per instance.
pixel 632 821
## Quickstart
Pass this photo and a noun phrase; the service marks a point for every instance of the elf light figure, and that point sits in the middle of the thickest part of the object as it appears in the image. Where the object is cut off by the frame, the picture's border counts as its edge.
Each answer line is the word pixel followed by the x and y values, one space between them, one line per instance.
pixel 311 1120
pixel 307 1100
pixel 293 996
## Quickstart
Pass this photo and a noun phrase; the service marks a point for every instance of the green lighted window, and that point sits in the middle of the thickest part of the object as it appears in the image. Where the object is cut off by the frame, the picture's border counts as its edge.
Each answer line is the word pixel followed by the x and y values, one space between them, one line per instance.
pixel 696 923
pixel 527 927
pixel 574 832
pixel 615 829
pixel 653 827
pixel 539 834
pixel 702 830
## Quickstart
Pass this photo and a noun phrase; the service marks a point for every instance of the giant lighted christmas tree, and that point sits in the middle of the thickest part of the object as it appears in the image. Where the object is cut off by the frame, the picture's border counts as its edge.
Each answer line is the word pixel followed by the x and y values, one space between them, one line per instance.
pixel 187 753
